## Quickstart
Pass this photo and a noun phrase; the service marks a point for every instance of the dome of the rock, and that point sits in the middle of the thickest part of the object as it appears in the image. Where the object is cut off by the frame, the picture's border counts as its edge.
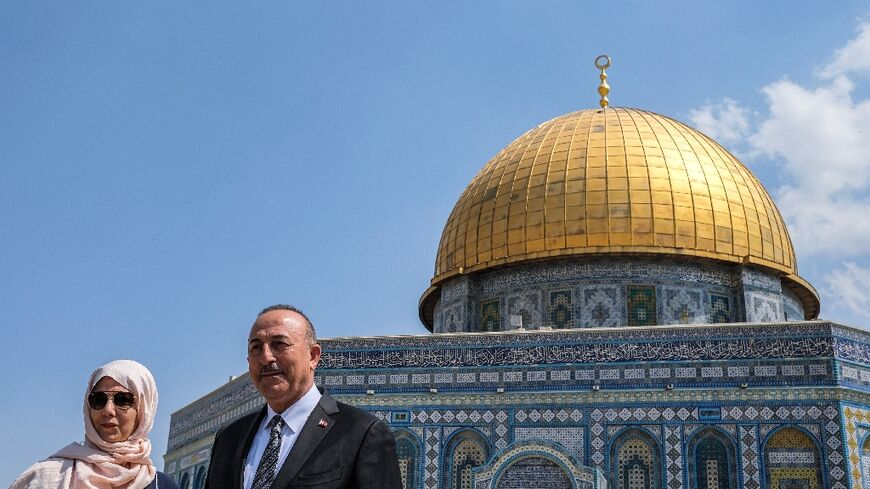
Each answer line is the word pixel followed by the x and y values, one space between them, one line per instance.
pixel 614 182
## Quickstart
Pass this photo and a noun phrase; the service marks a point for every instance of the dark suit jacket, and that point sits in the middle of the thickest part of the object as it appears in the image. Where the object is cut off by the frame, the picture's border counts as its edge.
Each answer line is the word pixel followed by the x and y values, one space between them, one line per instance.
pixel 162 481
pixel 354 450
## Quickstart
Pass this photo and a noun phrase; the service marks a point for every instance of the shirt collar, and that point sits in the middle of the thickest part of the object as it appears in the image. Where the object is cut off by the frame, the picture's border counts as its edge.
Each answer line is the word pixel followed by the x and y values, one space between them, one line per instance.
pixel 296 415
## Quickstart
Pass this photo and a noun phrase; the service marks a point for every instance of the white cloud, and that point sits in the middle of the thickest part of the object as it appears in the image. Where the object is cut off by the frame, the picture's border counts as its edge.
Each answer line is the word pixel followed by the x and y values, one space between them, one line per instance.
pixel 823 225
pixel 821 135
pixel 854 57
pixel 820 139
pixel 848 286
pixel 726 121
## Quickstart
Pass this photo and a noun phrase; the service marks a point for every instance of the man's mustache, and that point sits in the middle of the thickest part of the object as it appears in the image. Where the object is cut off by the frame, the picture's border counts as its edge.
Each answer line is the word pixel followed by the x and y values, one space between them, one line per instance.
pixel 272 368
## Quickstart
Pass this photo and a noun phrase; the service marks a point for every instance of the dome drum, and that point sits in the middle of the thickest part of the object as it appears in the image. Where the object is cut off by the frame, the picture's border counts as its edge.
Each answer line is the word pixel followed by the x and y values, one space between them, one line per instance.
pixel 596 292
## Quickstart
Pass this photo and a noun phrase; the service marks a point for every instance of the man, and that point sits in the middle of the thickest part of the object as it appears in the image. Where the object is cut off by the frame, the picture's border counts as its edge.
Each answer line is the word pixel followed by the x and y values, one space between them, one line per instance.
pixel 302 437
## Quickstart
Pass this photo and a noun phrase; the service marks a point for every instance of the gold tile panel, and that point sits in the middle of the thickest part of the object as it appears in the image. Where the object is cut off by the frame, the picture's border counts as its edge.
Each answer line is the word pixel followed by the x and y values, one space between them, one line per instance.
pixel 614 181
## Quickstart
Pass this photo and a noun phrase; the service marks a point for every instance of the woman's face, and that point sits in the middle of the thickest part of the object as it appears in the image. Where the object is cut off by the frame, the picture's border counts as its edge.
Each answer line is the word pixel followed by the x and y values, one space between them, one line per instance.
pixel 113 424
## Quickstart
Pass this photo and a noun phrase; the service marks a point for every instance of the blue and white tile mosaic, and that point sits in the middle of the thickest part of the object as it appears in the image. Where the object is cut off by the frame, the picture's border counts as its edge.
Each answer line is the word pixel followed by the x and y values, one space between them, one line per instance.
pixel 594 293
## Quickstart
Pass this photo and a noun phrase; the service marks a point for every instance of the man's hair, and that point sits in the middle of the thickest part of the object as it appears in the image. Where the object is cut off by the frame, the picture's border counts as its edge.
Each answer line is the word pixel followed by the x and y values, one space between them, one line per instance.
pixel 310 335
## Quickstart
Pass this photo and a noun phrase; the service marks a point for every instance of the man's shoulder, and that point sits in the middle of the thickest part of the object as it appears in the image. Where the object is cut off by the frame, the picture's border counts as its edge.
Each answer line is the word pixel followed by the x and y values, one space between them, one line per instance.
pixel 163 481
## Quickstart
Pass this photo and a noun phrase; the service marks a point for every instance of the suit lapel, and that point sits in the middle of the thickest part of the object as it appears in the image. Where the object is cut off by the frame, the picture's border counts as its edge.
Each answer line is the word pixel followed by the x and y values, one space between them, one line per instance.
pixel 241 455
pixel 313 432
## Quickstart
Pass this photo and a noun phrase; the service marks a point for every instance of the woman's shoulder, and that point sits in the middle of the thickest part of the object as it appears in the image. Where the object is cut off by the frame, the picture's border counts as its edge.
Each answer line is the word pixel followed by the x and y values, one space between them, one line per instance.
pixel 162 481
pixel 50 472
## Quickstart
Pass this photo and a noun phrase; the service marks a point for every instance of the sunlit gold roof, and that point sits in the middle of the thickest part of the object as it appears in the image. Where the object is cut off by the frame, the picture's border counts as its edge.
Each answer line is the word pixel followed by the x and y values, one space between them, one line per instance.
pixel 616 180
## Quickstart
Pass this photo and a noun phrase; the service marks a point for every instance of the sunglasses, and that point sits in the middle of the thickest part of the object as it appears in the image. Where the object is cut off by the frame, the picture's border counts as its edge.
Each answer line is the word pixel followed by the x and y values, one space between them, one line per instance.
pixel 122 400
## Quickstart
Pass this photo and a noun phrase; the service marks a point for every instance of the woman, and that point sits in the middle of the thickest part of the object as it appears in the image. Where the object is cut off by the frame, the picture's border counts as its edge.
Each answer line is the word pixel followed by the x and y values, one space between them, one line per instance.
pixel 119 408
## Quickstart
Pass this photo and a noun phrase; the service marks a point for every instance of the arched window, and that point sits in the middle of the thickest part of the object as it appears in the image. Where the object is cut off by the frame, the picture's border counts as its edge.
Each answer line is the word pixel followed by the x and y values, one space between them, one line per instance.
pixel 712 461
pixel 185 481
pixel 792 460
pixel 199 480
pixel 635 461
pixel 465 451
pixel 407 448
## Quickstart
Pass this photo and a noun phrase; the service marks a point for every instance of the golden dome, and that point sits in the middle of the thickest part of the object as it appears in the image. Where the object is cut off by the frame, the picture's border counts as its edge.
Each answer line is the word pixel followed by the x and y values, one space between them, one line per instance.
pixel 616 180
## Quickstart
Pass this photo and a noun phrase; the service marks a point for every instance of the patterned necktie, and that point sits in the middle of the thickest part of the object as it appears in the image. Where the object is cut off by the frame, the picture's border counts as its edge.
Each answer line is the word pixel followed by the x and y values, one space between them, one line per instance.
pixel 269 461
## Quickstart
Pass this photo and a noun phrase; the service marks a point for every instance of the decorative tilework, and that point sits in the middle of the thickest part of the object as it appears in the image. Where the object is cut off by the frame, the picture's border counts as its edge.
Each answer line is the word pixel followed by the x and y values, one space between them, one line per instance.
pixel 431 457
pixel 408 450
pixel 554 399
pixel 681 306
pixel 444 377
pixel 599 306
pixel 764 371
pixel 512 376
pixel 641 304
pixel 456 289
pixel 711 372
pixel 711 461
pixel 792 308
pixel 853 418
pixel 792 456
pixel 584 375
pixel 750 450
pixel 720 309
pixel 466 377
pixel 762 308
pixel 635 373
pixel 489 376
pixel 536 454
pixel 536 376
pixel 541 470
pixel 561 309
pixel 685 372
pixel 636 461
pixel 755 278
pixel 689 293
pixel 452 318
pixel 465 451
pixel 527 305
pixel 673 456
pixel 560 375
pixel 572 438
pixel 792 370
pixel 735 371
pixel 490 315
pixel 799 330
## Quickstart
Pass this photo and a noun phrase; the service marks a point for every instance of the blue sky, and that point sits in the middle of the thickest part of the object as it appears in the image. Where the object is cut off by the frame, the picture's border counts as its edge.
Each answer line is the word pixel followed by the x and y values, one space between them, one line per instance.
pixel 167 169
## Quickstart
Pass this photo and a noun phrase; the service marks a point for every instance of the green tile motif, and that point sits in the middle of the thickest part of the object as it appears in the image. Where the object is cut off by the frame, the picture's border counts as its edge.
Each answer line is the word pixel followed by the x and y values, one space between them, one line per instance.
pixel 720 309
pixel 490 315
pixel 560 309
pixel 641 305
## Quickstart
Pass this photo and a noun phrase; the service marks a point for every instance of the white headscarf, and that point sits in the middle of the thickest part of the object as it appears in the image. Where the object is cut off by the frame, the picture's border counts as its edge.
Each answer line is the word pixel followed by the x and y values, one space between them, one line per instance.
pixel 98 464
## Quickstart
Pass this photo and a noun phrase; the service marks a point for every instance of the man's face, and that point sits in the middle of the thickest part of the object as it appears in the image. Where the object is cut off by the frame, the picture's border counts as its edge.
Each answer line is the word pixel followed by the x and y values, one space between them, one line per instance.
pixel 280 360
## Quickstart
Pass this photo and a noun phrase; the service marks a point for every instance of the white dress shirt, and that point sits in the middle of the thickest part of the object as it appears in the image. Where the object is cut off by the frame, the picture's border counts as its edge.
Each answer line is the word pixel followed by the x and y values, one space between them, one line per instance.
pixel 294 419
